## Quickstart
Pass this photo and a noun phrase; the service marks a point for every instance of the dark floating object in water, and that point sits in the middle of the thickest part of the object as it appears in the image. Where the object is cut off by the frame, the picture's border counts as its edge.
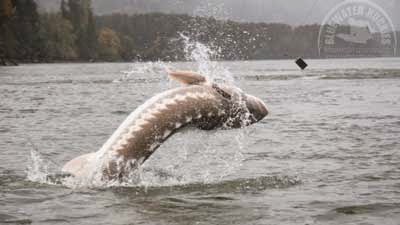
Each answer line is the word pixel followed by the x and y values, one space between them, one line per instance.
pixel 301 63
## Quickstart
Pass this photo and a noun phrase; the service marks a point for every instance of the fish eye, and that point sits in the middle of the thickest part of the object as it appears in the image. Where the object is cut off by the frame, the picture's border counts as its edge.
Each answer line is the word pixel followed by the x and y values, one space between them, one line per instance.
pixel 222 92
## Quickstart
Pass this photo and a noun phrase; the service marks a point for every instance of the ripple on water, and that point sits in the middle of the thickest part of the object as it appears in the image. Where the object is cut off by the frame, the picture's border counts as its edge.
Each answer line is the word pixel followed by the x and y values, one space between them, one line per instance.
pixel 26 111
pixel 4 130
pixel 120 112
pixel 245 185
pixel 5 110
pixel 363 209
pixel 13 220
pixel 375 213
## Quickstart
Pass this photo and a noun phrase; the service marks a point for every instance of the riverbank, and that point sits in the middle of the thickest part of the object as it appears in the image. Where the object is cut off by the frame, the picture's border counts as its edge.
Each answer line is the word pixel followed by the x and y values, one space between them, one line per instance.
pixel 11 62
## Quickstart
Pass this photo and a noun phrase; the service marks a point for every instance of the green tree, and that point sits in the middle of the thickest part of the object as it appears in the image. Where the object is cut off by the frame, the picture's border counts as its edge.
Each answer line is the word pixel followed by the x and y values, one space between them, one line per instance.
pixel 79 13
pixel 60 39
pixel 128 51
pixel 20 33
pixel 91 36
pixel 64 9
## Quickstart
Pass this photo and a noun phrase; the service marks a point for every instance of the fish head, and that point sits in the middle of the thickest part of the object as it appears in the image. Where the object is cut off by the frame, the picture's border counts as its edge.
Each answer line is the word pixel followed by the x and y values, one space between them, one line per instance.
pixel 243 109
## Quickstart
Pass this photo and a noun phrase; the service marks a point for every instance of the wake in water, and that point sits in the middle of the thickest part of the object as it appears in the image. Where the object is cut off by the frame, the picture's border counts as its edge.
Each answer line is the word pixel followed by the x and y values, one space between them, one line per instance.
pixel 199 154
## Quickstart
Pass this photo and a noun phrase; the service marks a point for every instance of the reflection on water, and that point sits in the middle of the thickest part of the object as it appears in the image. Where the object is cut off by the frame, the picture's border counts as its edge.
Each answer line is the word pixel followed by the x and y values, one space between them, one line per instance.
pixel 327 154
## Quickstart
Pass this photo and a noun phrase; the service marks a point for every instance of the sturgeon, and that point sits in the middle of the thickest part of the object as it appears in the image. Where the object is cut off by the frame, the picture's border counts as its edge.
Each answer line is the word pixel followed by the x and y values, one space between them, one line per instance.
pixel 198 103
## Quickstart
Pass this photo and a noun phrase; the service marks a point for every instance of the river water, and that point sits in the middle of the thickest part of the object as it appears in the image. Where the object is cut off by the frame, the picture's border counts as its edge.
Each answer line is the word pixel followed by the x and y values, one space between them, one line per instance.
pixel 328 153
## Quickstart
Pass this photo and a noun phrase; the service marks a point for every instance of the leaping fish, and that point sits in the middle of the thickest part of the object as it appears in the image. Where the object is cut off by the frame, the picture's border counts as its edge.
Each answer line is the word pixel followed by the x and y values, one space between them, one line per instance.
pixel 200 103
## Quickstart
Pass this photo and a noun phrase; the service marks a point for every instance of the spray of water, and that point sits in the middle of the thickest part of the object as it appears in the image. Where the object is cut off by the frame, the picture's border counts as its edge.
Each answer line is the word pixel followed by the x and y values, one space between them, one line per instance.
pixel 197 149
pixel 38 168
pixel 200 156
pixel 202 55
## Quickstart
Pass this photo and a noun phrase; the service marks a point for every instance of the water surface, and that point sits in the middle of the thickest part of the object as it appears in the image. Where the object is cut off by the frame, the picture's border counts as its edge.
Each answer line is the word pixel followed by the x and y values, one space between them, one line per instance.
pixel 329 152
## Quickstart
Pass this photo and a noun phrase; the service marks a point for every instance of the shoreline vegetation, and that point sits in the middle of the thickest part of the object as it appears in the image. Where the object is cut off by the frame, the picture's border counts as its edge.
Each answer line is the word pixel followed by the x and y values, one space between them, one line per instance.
pixel 75 34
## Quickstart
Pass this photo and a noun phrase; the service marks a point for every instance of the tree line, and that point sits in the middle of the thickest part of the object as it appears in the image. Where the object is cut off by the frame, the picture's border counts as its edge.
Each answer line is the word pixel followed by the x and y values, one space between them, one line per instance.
pixel 75 34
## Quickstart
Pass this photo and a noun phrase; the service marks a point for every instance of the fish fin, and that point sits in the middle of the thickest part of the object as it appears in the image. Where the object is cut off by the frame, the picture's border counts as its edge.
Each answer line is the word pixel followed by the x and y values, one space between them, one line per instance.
pixel 79 165
pixel 187 77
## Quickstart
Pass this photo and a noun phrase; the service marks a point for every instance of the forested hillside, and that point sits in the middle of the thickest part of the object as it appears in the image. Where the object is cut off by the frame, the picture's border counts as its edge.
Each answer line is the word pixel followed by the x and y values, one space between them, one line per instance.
pixel 75 34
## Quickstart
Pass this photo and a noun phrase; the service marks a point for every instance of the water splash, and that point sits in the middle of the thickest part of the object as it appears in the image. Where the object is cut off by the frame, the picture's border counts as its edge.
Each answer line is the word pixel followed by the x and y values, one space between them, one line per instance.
pixel 203 56
pixel 43 170
pixel 189 162
pixel 38 169
pixel 148 72
pixel 194 156
pixel 199 157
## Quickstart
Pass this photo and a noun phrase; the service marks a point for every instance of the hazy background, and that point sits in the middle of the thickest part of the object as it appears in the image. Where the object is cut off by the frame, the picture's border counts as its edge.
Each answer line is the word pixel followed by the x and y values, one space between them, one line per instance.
pixel 285 11
pixel 149 30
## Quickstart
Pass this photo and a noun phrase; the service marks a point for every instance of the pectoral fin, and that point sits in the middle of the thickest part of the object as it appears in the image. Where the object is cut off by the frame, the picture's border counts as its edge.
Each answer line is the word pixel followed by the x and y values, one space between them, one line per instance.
pixel 187 77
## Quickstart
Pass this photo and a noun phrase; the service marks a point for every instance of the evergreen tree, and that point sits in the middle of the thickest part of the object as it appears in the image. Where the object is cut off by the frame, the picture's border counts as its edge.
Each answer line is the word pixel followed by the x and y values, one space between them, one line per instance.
pixel 20 33
pixel 64 10
pixel 60 39
pixel 91 36
pixel 80 15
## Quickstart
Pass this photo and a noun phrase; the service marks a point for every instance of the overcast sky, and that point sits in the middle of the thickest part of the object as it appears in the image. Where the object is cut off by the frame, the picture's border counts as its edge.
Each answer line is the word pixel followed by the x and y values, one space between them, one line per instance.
pixel 287 11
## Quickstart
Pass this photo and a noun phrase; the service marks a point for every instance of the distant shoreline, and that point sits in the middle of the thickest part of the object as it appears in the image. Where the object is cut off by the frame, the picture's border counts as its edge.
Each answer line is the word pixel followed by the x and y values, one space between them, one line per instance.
pixel 180 61
pixel 156 37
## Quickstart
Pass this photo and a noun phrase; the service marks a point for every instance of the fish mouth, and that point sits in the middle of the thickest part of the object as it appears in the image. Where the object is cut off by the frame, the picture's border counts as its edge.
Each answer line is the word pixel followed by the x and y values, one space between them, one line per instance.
pixel 256 107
